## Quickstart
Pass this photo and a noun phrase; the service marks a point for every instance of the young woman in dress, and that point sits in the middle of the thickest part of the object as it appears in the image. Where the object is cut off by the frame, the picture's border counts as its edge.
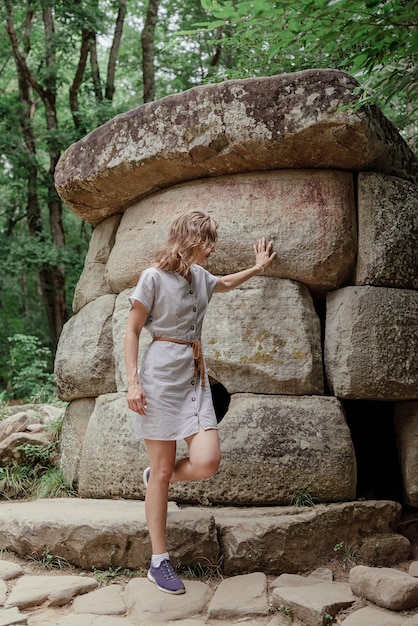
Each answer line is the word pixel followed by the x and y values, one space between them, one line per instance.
pixel 171 393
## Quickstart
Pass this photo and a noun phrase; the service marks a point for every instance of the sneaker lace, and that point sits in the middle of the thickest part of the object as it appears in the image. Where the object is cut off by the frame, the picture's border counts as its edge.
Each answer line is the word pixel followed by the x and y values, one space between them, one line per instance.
pixel 168 570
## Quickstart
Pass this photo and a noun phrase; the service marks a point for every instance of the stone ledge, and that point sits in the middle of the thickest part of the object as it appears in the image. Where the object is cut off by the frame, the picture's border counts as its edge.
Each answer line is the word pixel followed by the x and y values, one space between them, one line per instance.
pixel 101 533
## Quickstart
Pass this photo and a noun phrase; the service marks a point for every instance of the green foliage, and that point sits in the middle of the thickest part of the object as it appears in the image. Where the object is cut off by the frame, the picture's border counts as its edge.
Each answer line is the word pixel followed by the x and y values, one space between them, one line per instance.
pixel 202 569
pixel 37 474
pixel 347 554
pixel 304 498
pixel 374 40
pixel 48 561
pixel 286 610
pixel 54 427
pixel 51 484
pixel 15 481
pixel 38 481
pixel 30 364
pixel 105 577
pixel 41 457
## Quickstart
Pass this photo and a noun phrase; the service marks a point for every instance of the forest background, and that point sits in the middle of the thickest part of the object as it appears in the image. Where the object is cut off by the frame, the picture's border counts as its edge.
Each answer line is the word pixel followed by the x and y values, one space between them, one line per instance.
pixel 67 66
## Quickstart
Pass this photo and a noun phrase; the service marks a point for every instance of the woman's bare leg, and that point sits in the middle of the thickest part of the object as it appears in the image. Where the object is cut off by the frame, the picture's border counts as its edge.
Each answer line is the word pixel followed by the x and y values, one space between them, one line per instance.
pixel 204 457
pixel 162 456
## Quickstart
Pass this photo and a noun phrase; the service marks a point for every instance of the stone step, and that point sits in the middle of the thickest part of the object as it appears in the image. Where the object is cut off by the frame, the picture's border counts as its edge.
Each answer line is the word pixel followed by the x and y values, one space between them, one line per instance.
pixel 113 533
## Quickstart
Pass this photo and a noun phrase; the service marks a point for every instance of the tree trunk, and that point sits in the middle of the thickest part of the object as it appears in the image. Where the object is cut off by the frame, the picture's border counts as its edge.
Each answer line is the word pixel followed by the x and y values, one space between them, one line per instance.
pixel 147 41
pixel 94 64
pixel 114 51
pixel 54 276
pixel 52 279
pixel 78 80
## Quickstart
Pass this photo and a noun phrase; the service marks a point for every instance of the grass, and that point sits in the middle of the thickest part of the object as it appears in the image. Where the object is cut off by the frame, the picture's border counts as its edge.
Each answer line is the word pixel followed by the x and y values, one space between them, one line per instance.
pixel 48 561
pixel 202 570
pixel 51 484
pixel 105 577
pixel 286 610
pixel 305 498
pixel 37 475
pixel 41 479
pixel 347 555
pixel 15 481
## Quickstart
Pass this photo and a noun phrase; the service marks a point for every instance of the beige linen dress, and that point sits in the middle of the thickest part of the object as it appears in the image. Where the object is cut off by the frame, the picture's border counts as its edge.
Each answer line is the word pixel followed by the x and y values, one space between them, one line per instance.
pixel 177 404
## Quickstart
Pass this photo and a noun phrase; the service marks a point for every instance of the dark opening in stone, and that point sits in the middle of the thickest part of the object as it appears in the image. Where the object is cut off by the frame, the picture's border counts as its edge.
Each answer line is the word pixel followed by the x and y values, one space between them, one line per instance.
pixel 373 434
pixel 221 399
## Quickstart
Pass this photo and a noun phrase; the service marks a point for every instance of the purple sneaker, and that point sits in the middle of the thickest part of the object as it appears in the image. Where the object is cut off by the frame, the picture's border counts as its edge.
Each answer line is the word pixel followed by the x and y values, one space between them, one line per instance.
pixel 166 578
pixel 145 476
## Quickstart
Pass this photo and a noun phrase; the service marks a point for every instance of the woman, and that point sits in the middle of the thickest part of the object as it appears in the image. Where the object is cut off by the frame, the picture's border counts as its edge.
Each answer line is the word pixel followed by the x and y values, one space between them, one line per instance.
pixel 171 395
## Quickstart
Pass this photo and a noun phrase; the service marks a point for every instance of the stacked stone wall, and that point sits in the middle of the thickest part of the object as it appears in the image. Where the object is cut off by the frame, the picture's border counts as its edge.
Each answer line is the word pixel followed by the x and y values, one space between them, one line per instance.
pixel 334 319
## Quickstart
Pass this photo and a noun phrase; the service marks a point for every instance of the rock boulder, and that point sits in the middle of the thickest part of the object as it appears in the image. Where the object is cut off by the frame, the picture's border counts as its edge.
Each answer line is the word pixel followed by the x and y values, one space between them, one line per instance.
pixel 371 343
pixel 309 215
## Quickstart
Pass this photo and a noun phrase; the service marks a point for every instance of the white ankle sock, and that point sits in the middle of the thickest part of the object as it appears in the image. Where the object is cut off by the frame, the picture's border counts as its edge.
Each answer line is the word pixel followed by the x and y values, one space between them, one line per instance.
pixel 157 559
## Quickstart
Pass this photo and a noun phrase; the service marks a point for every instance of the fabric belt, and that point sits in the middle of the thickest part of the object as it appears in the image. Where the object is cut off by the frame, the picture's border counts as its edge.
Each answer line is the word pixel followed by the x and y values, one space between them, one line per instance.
pixel 199 363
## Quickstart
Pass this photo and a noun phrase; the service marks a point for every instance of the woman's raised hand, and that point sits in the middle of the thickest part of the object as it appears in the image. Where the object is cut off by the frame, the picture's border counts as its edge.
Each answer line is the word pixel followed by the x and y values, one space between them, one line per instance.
pixel 263 253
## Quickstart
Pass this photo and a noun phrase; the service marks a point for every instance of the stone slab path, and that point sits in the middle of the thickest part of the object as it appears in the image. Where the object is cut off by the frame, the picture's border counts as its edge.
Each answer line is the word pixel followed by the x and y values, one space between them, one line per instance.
pixel 33 593
pixel 63 599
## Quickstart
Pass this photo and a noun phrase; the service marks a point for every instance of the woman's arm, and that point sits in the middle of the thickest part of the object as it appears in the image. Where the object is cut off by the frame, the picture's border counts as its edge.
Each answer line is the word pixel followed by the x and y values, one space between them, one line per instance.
pixel 136 321
pixel 263 258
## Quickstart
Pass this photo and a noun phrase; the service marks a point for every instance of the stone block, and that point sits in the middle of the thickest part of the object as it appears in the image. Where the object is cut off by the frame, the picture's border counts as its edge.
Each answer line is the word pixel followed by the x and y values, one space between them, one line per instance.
pixel 387 232
pixel 105 601
pixel 92 283
pixel 9 570
pixel 386 587
pixel 384 550
pixel 264 338
pixel 30 591
pixel 291 540
pixel 147 605
pixel 309 215
pixel 112 459
pixel 240 596
pixel 373 616
pixel 73 432
pixel 313 603
pixel 371 343
pixel 84 364
pixel 100 533
pixel 276 449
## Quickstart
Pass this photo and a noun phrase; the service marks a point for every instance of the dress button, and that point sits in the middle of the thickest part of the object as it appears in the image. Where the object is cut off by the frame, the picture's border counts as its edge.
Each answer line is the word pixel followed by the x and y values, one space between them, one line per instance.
pixel 193 382
pixel 192 327
pixel 191 291
pixel 193 399
pixel 196 413
pixel 194 309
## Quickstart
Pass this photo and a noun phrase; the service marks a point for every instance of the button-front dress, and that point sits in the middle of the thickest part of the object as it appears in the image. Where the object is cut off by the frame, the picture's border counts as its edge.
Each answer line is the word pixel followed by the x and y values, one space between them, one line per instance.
pixel 177 403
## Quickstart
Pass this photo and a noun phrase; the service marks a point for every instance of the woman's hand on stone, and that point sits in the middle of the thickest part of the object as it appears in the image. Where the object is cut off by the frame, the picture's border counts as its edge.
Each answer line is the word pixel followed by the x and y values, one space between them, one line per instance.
pixel 263 253
pixel 136 399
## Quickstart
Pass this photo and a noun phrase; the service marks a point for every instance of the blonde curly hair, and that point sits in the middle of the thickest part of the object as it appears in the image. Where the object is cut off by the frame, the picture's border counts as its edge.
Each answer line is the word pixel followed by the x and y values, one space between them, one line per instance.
pixel 188 232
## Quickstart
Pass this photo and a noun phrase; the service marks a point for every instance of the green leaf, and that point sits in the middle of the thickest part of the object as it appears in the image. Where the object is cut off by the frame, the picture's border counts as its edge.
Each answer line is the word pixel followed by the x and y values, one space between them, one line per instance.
pixel 413 43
